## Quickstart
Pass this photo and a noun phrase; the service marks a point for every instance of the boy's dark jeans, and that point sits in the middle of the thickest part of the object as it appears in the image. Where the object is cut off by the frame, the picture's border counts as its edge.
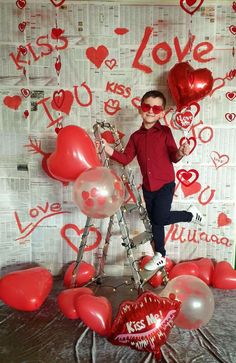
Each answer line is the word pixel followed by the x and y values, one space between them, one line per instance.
pixel 158 204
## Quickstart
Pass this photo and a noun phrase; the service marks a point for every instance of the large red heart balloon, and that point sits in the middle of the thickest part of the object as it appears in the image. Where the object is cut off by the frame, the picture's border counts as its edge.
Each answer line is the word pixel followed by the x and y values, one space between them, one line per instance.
pixel 75 152
pixel 188 85
pixel 206 268
pixel 66 300
pixel 224 276
pixel 26 289
pixel 85 273
pixel 184 268
pixel 95 312
pixel 144 324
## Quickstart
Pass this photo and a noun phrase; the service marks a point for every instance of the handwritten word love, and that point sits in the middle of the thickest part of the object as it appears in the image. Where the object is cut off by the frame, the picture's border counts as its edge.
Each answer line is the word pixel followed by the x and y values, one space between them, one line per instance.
pixel 181 234
pixel 199 51
pixel 37 214
pixel 45 49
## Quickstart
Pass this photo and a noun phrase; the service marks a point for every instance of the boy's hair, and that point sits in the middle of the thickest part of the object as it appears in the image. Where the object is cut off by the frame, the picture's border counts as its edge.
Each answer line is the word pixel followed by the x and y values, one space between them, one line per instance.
pixel 154 94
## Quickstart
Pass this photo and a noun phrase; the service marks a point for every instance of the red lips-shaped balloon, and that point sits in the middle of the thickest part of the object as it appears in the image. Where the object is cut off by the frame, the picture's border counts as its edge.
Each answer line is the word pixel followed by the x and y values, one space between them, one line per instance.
pixel 26 289
pixel 188 85
pixel 95 312
pixel 75 152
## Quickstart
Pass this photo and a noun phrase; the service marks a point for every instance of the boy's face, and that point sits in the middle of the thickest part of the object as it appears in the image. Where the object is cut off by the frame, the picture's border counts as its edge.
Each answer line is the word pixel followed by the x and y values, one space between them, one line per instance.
pixel 151 110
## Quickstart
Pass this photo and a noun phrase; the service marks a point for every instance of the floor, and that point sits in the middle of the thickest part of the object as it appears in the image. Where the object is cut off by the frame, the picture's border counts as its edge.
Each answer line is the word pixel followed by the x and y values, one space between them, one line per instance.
pixel 46 336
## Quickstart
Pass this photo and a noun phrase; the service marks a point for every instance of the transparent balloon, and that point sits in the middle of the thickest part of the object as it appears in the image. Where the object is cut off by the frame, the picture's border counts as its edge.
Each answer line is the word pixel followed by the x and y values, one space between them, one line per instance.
pixel 197 301
pixel 98 192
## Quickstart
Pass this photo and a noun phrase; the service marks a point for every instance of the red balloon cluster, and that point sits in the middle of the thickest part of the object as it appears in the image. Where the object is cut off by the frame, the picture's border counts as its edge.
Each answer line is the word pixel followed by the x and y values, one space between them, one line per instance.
pixel 188 85
pixel 220 275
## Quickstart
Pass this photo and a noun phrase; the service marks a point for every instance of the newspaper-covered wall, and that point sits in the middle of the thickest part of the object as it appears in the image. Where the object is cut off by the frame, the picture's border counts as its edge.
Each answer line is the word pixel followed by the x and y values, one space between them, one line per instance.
pixel 105 56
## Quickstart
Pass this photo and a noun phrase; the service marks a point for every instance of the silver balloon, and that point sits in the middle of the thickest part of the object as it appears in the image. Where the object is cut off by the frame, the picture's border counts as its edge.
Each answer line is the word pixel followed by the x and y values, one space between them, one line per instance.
pixel 197 301
pixel 98 192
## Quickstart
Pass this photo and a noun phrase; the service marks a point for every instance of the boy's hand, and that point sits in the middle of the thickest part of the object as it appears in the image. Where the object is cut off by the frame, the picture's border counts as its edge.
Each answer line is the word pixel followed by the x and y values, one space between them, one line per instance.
pixel 107 147
pixel 184 150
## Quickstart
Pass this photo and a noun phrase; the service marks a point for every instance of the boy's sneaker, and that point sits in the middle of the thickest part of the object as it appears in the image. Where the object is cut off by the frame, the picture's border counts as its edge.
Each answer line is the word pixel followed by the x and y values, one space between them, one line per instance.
pixel 197 215
pixel 157 262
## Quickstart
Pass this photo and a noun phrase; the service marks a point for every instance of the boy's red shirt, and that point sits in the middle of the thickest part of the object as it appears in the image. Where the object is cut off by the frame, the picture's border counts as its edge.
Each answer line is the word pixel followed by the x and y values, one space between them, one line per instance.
pixel 156 150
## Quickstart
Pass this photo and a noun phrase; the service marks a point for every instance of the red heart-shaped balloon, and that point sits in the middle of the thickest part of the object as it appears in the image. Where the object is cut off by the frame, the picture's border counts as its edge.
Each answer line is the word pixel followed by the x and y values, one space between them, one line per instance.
pixel 184 268
pixel 85 273
pixel 26 289
pixel 75 152
pixel 224 276
pixel 95 312
pixel 206 268
pixel 66 300
pixel 45 168
pixel 157 279
pixel 188 85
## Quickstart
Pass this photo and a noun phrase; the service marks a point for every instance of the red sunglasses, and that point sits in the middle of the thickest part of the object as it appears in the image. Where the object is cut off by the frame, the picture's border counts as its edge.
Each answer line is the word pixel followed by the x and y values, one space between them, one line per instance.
pixel 145 107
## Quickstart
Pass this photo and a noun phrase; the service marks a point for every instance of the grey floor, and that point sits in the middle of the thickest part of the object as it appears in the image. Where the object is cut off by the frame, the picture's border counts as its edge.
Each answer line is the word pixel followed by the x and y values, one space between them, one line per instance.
pixel 46 336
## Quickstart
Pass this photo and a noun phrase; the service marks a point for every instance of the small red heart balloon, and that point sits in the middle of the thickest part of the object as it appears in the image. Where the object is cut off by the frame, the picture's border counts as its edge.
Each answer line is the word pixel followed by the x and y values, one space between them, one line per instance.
pixel 75 152
pixel 224 276
pixel 95 312
pixel 45 168
pixel 85 273
pixel 206 268
pixel 26 289
pixel 188 85
pixel 184 268
pixel 66 300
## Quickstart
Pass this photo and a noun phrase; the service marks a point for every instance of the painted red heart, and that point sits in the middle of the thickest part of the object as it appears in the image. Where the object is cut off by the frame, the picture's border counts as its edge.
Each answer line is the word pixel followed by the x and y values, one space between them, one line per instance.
pixel 230 116
pixel 188 85
pixel 183 120
pixel 21 4
pixel 219 160
pixel 136 102
pixel 145 324
pixel 26 289
pixel 184 268
pixel 22 26
pixel 75 152
pixel 62 101
pixel 57 3
pixel 187 177
pixel 98 237
pixel 191 189
pixel 57 65
pixel 13 102
pixel 234 6
pixel 108 136
pixel 186 5
pixel 97 56
pixel 220 83
pixel 191 141
pixel 95 312
pixel 56 33
pixel 25 92
pixel 66 300
pixel 85 273
pixel 230 95
pixel 224 276
pixel 26 113
pixel 223 220
pixel 23 50
pixel 110 63
pixel 206 269
pixel 232 29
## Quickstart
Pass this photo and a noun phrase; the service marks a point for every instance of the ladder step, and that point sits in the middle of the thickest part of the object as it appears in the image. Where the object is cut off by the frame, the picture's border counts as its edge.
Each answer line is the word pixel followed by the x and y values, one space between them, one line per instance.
pixel 147 275
pixel 142 238
pixel 129 207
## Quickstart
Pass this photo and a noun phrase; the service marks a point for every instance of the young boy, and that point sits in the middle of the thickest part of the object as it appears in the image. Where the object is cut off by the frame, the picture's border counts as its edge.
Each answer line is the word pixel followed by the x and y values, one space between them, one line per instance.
pixel 155 148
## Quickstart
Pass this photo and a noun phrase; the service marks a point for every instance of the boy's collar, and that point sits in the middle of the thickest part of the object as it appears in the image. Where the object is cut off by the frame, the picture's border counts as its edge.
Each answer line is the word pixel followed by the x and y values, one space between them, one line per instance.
pixel 157 125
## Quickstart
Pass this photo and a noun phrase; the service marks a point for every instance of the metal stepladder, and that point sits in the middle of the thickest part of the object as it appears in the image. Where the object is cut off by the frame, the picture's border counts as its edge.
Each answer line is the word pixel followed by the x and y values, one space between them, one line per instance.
pixel 140 277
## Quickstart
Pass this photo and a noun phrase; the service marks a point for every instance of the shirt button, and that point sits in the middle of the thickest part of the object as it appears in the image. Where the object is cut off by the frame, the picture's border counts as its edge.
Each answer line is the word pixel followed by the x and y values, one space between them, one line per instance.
pixel 149 172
